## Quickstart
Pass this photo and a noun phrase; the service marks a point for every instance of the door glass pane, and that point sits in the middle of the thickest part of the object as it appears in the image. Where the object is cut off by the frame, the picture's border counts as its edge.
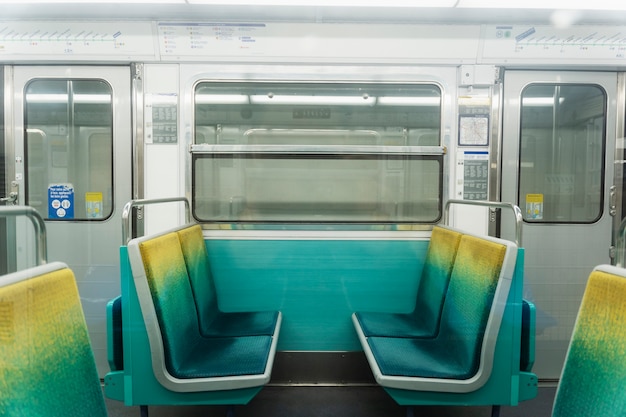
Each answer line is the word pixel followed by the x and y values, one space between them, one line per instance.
pixel 562 153
pixel 69 149
pixel 3 191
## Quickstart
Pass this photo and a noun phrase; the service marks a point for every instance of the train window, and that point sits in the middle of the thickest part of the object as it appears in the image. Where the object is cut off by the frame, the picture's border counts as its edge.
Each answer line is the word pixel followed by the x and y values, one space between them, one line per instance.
pixel 69 148
pixel 317 153
pixel 562 153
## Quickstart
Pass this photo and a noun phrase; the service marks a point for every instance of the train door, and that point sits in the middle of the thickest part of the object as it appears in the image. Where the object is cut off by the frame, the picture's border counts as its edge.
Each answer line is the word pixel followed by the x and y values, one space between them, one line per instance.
pixel 559 131
pixel 3 195
pixel 72 153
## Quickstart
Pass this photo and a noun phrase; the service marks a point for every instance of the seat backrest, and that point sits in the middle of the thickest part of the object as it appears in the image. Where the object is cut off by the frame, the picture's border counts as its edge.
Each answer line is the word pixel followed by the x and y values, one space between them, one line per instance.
pixel 47 367
pixel 202 284
pixel 165 295
pixel 592 381
pixel 435 277
pixel 468 304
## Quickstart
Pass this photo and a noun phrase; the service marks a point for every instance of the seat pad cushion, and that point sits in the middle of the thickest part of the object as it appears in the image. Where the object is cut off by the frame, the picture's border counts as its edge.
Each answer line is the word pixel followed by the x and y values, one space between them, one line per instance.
pixel 425 358
pixel 225 356
pixel 262 323
pixel 393 324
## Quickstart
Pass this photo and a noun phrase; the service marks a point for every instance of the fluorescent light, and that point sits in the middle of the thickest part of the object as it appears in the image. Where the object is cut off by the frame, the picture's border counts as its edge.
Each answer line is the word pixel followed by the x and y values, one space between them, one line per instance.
pixel 316 100
pixel 540 101
pixel 331 3
pixel 409 101
pixel 46 98
pixel 544 4
pixel 92 98
pixel 313 100
pixel 222 99
pixel 94 2
pixel 63 98
pixel 412 4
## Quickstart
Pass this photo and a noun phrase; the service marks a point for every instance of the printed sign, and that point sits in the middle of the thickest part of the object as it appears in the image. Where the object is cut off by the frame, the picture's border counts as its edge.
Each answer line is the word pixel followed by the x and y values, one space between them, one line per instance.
pixel 93 205
pixel 60 201
pixel 161 118
pixel 476 175
pixel 534 206
pixel 474 130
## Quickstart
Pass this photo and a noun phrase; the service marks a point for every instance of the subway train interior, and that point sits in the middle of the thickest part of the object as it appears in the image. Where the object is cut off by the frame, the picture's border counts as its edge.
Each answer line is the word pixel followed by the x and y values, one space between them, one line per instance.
pixel 272 208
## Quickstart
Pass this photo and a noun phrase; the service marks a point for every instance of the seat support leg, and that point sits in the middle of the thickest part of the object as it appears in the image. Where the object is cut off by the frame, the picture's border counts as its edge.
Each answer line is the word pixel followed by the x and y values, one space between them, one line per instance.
pixel 410 411
pixel 143 410
pixel 495 411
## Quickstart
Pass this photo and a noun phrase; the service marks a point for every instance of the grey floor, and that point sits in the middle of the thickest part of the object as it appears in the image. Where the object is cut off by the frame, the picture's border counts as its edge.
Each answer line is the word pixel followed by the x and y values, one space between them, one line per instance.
pixel 370 401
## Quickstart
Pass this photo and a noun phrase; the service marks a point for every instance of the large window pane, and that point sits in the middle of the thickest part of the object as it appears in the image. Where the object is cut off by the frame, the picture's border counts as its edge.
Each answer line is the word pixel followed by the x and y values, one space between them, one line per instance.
pixel 317 153
pixel 562 153
pixel 69 149
pixel 317 188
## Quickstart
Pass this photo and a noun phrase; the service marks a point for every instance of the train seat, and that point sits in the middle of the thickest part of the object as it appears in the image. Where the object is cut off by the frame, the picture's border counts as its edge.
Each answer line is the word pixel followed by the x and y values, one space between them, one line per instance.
pixel 592 380
pixel 423 321
pixel 47 367
pixel 460 358
pixel 182 359
pixel 213 322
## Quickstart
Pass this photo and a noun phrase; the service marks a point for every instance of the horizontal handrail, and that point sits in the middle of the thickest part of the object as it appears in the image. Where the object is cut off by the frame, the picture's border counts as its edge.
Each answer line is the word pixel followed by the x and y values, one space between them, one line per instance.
pixel 491 204
pixel 41 249
pixel 127 218
pixel 318 149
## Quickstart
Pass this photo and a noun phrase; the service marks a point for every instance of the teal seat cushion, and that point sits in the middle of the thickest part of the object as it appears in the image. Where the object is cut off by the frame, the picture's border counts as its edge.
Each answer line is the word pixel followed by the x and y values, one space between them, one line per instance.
pixel 393 324
pixel 224 356
pixel 424 358
pixel 262 323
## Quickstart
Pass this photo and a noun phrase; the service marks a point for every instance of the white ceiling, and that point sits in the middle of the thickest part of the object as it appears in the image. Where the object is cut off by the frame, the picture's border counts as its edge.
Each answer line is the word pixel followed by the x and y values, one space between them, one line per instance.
pixel 126 11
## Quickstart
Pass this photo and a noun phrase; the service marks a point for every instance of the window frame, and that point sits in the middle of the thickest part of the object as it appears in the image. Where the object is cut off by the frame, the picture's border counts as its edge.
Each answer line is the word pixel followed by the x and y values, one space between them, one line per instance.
pixel 437 152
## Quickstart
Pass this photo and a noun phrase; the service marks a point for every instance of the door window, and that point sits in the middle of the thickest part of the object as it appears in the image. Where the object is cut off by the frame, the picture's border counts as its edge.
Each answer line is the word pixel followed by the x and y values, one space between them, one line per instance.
pixel 3 192
pixel 562 153
pixel 69 149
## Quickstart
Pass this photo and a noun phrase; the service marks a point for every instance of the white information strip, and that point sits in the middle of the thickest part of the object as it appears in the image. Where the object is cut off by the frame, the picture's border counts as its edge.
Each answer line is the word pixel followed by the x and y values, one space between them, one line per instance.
pixel 576 44
pixel 65 40
pixel 318 42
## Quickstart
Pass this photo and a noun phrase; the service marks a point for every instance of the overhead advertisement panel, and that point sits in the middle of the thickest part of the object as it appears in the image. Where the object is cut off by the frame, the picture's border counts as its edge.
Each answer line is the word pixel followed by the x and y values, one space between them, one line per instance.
pixel 319 42
pixel 69 41
pixel 598 45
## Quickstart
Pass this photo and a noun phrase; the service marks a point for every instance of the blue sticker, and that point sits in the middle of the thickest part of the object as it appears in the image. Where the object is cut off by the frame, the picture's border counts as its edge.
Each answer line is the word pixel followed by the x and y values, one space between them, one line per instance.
pixel 60 201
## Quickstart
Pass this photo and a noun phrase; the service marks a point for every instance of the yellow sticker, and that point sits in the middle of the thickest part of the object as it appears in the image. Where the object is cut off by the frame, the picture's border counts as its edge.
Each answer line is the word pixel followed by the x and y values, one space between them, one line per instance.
pixel 534 206
pixel 93 201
